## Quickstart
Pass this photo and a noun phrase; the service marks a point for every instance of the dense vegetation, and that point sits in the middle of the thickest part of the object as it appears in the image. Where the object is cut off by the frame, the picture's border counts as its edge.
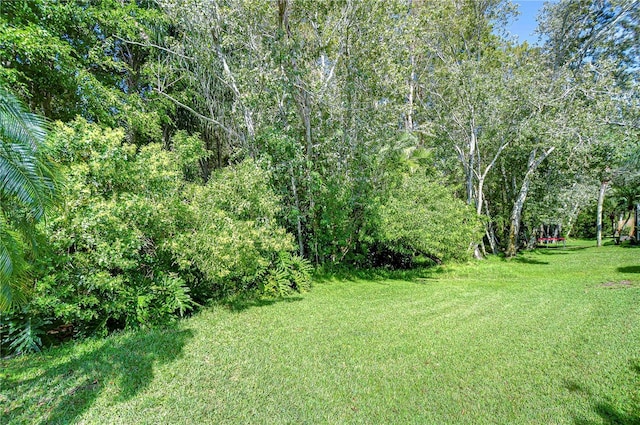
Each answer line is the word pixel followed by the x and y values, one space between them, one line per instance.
pixel 551 337
pixel 218 150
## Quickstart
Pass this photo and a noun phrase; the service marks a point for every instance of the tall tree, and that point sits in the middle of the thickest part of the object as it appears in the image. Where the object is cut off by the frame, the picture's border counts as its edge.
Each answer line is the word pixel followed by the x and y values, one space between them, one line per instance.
pixel 587 31
pixel 68 58
pixel 599 41
pixel 320 77
pixel 481 96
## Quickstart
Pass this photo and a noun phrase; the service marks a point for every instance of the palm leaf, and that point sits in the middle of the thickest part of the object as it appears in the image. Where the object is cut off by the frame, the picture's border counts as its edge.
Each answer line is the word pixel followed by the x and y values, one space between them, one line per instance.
pixel 28 181
pixel 12 280
pixel 22 177
pixel 19 125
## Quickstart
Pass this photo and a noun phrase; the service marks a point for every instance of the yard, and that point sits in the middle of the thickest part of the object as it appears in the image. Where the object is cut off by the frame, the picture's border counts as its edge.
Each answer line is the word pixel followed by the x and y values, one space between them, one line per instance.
pixel 552 336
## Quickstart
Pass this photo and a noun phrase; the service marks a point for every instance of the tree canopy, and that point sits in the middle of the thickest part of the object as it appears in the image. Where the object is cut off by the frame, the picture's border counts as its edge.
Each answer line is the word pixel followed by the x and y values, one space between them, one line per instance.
pixel 219 148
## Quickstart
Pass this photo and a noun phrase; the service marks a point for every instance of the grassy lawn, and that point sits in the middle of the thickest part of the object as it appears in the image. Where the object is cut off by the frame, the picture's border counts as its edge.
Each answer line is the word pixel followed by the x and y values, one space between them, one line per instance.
pixel 551 337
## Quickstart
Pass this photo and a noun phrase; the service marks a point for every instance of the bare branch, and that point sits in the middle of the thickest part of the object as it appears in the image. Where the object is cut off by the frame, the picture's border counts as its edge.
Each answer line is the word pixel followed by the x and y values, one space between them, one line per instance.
pixel 148 44
pixel 198 114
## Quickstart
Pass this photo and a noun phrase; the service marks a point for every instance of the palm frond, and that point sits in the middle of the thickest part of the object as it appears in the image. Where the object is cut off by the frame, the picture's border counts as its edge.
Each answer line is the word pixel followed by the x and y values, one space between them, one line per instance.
pixel 12 266
pixel 24 177
pixel 19 125
pixel 28 181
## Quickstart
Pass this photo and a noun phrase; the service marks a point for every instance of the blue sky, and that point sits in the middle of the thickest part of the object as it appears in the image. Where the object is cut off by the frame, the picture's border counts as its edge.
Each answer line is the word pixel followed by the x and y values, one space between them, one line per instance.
pixel 524 25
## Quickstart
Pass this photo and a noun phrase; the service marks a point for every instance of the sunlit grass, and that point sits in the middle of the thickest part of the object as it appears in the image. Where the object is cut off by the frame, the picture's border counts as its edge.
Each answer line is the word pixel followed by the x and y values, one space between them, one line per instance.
pixel 550 337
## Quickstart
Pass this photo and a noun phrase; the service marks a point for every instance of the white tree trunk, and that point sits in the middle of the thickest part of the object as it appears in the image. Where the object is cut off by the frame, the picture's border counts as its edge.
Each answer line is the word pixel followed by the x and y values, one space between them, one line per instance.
pixel 603 189
pixel 516 212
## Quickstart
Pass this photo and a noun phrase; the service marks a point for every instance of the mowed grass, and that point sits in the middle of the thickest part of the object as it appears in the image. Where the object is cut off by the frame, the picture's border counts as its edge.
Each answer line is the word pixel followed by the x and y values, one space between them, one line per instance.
pixel 550 337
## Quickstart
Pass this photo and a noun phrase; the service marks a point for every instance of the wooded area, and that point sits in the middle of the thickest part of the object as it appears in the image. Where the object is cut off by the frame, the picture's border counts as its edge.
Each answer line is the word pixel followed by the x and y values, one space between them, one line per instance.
pixel 192 150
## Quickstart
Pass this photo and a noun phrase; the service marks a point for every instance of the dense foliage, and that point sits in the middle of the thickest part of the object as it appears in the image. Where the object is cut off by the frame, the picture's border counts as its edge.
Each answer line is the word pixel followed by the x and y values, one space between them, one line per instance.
pixel 216 149
pixel 422 217
pixel 27 188
pixel 134 243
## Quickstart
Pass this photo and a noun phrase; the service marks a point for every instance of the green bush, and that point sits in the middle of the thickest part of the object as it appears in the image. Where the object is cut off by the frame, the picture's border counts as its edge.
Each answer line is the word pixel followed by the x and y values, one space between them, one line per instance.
pixel 421 217
pixel 109 267
pixel 234 240
pixel 139 240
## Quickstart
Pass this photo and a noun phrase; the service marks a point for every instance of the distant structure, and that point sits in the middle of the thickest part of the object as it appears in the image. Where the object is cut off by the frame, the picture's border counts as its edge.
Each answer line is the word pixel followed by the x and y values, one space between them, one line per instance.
pixel 627 229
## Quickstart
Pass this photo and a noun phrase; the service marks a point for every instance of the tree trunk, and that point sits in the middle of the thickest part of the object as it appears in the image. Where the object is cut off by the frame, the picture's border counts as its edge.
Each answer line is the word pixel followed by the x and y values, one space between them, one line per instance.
pixel 412 90
pixel 471 165
pixel 299 222
pixel 572 218
pixel 603 189
pixel 479 250
pixel 516 212
pixel 491 234
pixel 637 213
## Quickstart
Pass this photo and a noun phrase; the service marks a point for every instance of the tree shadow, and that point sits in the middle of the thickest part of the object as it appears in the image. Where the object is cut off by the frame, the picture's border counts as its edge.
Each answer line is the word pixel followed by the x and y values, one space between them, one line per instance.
pixel 58 393
pixel 420 274
pixel 629 269
pixel 241 304
pixel 629 244
pixel 574 387
pixel 609 414
pixel 559 249
pixel 525 260
pixel 552 251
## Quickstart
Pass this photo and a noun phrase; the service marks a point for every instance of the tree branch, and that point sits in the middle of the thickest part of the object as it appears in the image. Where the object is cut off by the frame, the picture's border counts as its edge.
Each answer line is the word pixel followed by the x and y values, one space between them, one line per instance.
pixel 198 114
pixel 148 44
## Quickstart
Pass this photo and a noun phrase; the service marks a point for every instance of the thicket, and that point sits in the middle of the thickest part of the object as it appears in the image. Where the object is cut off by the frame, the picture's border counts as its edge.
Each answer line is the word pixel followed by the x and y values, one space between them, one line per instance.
pixel 218 150
pixel 141 239
pixel 136 243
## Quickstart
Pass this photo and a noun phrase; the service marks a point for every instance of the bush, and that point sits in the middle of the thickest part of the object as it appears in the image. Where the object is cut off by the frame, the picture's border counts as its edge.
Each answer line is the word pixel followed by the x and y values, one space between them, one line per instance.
pixel 421 217
pixel 585 224
pixel 108 267
pixel 139 240
pixel 234 240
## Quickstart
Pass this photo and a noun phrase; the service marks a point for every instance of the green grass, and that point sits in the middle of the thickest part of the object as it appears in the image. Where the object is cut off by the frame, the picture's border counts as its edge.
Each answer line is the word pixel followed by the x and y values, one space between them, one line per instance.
pixel 550 337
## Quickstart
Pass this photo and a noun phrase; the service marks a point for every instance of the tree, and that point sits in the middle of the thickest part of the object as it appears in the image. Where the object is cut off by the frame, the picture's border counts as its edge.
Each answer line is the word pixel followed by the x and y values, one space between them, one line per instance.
pixel 481 95
pixel 312 86
pixel 27 189
pixel 589 31
pixel 68 58
pixel 598 41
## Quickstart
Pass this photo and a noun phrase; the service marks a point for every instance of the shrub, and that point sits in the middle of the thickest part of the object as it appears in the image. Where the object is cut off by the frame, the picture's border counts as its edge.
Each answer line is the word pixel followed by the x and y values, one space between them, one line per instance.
pixel 422 217
pixel 234 240
pixel 140 239
pixel 108 267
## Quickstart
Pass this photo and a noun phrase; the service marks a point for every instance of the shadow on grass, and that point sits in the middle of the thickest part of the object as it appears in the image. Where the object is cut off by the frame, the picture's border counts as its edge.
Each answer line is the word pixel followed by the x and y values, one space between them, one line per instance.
pixel 545 250
pixel 60 393
pixel 574 387
pixel 629 244
pixel 418 274
pixel 629 269
pixel 609 414
pixel 237 305
pixel 521 256
pixel 533 261
pixel 561 249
